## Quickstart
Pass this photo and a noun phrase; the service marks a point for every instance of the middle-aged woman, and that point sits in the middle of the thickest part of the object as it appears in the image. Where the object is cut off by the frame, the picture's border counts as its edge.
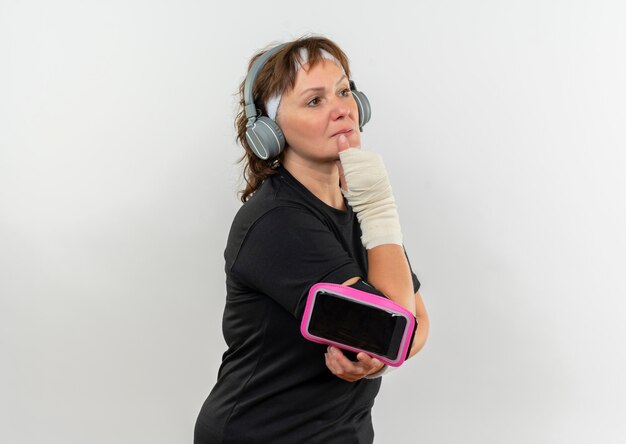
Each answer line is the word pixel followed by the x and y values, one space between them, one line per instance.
pixel 319 209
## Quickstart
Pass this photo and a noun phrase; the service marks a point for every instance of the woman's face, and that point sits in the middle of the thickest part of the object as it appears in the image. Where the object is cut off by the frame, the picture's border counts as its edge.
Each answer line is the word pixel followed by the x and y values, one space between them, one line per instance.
pixel 316 111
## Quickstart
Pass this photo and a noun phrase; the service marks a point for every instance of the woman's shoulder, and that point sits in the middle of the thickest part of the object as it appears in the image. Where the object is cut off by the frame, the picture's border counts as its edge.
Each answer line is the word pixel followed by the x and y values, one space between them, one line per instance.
pixel 275 193
pixel 278 212
pixel 269 222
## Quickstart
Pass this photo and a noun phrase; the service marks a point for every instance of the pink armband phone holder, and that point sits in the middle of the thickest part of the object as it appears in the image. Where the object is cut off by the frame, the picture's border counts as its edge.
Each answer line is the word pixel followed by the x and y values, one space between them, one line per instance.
pixel 358 321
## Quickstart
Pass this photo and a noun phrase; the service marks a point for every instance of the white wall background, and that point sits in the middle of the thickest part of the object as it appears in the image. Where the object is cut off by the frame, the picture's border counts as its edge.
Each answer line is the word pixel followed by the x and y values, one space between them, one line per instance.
pixel 502 124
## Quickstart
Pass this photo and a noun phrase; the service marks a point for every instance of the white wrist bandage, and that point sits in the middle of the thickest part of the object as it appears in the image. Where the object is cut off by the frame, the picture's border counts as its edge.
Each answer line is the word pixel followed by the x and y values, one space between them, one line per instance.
pixel 370 196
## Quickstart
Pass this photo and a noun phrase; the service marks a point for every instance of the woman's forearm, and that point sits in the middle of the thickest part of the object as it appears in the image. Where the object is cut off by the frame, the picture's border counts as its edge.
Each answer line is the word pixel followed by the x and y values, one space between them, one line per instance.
pixel 389 272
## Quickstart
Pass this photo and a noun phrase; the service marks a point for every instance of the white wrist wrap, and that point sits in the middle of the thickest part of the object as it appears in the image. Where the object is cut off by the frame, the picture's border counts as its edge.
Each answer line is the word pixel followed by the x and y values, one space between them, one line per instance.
pixel 370 196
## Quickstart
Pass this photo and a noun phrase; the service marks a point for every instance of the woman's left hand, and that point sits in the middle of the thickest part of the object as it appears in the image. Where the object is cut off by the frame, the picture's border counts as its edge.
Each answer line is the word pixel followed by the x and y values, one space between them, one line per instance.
pixel 351 371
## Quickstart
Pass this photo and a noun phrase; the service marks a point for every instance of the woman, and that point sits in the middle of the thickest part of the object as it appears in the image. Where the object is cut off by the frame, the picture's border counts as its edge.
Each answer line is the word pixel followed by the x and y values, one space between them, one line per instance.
pixel 316 209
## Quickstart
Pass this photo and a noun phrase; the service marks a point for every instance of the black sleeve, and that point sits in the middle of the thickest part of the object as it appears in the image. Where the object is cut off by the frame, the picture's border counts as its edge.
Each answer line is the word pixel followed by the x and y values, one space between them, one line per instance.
pixel 286 252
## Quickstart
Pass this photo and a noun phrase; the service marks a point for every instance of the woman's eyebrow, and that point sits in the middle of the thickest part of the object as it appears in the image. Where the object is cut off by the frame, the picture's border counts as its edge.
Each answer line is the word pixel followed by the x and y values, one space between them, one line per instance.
pixel 321 88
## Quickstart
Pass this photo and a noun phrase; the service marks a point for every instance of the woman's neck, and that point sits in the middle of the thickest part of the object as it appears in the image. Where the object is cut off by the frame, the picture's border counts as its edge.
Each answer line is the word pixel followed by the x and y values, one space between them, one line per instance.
pixel 321 179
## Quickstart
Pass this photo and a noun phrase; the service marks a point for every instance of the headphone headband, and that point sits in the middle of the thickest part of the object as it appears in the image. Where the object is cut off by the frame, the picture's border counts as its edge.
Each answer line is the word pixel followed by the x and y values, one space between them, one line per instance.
pixel 250 108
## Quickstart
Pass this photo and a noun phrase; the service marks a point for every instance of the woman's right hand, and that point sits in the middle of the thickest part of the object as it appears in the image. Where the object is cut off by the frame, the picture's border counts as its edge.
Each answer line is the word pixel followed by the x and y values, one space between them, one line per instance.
pixel 342 145
pixel 365 184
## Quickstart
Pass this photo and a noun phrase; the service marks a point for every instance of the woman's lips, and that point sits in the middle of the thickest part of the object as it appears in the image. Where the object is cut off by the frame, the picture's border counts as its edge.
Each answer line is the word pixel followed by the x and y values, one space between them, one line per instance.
pixel 345 132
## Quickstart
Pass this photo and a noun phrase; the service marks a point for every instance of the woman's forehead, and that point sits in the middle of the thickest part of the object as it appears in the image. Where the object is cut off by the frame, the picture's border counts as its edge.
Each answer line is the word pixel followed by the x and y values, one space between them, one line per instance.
pixel 323 72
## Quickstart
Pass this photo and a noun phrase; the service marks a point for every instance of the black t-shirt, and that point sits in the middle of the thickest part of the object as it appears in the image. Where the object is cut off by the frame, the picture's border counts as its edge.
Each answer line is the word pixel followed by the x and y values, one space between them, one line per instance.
pixel 273 385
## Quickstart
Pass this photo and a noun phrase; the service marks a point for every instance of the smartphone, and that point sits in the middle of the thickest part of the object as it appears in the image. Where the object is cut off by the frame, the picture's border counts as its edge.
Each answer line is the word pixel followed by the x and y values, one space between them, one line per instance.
pixel 358 321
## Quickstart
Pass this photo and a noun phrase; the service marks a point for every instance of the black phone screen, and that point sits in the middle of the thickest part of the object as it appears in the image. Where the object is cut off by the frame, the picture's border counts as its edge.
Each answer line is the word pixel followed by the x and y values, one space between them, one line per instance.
pixel 357 325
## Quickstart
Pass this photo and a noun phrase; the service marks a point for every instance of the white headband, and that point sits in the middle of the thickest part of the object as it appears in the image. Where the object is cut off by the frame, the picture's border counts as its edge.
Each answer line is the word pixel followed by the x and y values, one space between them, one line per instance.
pixel 272 104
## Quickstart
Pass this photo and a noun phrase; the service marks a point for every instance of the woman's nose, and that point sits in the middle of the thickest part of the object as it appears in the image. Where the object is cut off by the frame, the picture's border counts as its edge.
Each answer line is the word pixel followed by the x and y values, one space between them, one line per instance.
pixel 339 109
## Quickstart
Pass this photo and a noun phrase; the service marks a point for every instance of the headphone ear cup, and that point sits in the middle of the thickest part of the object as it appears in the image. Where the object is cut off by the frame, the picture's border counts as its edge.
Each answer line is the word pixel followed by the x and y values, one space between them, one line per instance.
pixel 363 105
pixel 265 138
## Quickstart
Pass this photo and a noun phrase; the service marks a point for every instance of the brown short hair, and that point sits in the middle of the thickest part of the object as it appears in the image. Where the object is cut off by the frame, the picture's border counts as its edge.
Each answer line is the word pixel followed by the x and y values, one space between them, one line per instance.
pixel 277 76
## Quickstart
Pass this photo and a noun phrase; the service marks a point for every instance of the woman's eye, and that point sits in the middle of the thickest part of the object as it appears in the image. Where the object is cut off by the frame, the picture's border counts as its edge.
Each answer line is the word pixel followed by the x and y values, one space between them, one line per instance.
pixel 345 92
pixel 314 101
